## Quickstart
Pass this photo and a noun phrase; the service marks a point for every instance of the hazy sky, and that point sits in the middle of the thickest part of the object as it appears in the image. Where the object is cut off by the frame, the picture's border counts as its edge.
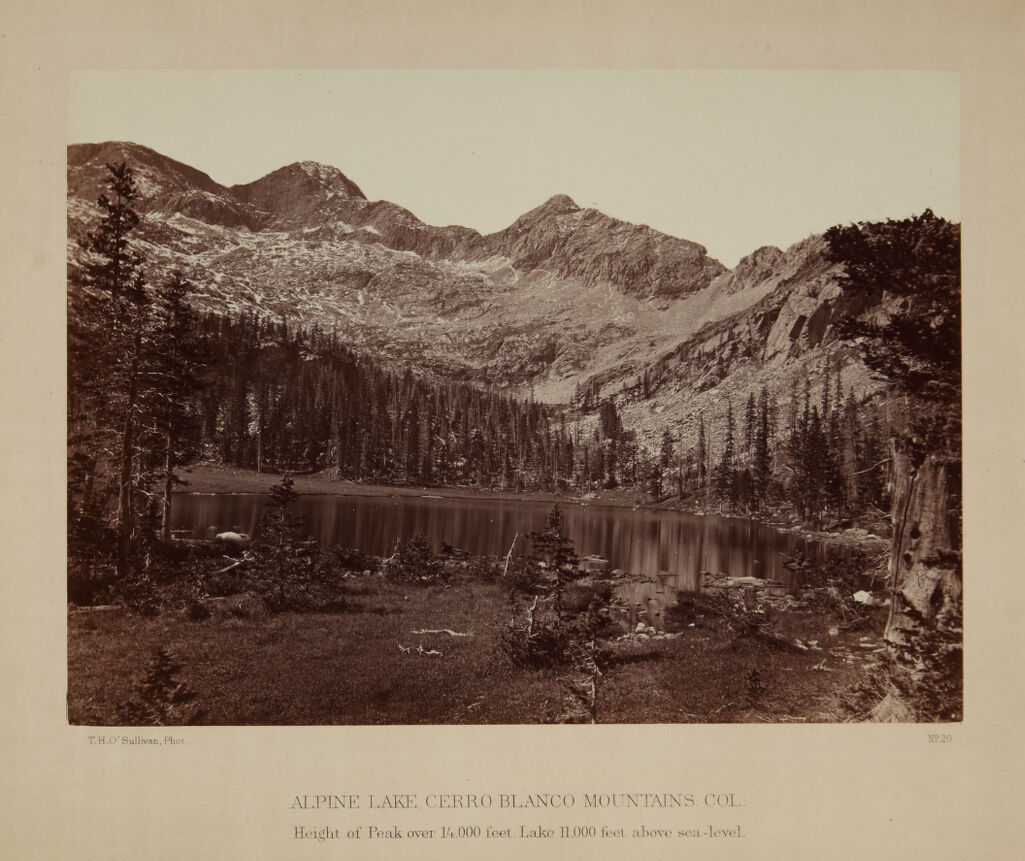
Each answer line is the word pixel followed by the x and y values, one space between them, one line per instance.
pixel 733 160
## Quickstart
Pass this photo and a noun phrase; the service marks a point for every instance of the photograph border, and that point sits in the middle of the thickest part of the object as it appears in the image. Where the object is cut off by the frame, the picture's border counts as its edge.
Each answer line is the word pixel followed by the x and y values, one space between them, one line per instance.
pixel 809 791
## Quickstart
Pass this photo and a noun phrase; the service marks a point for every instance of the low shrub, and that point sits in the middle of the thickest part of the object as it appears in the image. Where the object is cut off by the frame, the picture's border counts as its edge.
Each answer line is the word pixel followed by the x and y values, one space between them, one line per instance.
pixel 831 587
pixel 482 568
pixel 526 576
pixel 540 641
pixel 161 698
pixel 88 587
pixel 577 597
pixel 548 633
pixel 692 607
pixel 352 559
pixel 138 592
pixel 414 562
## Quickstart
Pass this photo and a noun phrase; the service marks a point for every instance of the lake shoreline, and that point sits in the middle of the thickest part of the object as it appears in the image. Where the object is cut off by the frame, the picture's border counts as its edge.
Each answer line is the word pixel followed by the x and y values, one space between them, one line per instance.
pixel 209 478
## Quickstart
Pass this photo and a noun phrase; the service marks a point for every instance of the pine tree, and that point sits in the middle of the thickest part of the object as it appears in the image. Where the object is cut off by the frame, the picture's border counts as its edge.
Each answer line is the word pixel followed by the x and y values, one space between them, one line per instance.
pixel 667 451
pixel 814 465
pixel 279 532
pixel 611 464
pixel 749 424
pixel 725 477
pixel 701 456
pixel 609 424
pixel 163 699
pixel 551 549
pixel 412 442
pixel 762 464
pixel 798 447
pixel 176 359
pixel 108 316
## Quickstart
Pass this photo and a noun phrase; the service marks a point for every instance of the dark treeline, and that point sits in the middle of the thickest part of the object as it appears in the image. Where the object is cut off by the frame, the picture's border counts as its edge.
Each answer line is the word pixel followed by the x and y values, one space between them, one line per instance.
pixel 283 398
pixel 823 457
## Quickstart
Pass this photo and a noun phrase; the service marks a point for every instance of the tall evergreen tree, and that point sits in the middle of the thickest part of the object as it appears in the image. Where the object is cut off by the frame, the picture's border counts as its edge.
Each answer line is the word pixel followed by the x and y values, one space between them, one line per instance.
pixel 108 317
pixel 725 476
pixel 701 456
pixel 176 360
pixel 749 424
pixel 551 548
pixel 761 462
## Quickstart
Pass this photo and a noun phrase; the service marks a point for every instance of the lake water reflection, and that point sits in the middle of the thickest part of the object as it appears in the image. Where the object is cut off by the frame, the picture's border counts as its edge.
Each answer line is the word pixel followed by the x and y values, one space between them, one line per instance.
pixel 637 541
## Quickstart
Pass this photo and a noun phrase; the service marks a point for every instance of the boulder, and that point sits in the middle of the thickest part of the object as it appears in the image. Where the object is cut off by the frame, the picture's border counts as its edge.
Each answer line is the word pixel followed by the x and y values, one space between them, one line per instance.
pixel 595 564
pixel 232 540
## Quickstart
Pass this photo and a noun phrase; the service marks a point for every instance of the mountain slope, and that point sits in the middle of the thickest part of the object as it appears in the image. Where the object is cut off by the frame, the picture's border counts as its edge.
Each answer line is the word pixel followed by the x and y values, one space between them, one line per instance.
pixel 560 237
pixel 776 342
pixel 533 305
pixel 564 299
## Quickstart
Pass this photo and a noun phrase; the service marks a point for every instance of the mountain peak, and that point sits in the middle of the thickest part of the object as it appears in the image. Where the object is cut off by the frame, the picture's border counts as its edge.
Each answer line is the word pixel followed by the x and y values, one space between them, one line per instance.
pixel 767 255
pixel 558 204
pixel 330 176
pixel 305 175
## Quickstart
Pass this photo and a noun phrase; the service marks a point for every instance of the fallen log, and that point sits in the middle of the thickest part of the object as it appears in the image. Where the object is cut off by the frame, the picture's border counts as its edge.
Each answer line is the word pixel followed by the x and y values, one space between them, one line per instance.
pixel 234 564
pixel 448 631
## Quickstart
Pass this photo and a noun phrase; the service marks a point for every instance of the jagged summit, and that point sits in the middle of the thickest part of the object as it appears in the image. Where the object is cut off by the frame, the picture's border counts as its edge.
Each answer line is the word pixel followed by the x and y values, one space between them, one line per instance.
pixel 761 256
pixel 301 177
pixel 560 203
pixel 329 175
pixel 559 236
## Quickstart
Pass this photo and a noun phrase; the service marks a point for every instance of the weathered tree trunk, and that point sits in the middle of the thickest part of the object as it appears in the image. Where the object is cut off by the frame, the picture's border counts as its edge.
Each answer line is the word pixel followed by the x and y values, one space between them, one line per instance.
pixel 125 513
pixel 923 630
pixel 925 566
pixel 165 523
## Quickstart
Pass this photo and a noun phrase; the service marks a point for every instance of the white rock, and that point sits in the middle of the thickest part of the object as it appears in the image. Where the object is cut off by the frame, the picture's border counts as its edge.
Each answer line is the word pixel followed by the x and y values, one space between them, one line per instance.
pixel 863 597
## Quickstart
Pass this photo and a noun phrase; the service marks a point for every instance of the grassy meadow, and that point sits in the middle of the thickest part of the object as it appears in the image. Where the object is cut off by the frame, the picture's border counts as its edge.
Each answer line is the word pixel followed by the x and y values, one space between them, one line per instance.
pixel 364 663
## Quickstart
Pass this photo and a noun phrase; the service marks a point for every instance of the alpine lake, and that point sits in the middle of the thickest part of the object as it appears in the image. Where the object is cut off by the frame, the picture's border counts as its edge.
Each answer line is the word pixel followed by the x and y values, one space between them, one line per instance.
pixel 664 551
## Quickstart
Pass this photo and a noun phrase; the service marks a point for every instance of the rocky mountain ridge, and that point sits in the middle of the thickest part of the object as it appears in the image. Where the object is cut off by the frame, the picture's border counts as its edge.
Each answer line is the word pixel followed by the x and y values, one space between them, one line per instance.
pixel 564 299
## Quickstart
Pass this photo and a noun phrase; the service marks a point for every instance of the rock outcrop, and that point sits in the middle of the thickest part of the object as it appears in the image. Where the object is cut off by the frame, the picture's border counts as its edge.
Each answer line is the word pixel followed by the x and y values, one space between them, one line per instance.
pixel 564 239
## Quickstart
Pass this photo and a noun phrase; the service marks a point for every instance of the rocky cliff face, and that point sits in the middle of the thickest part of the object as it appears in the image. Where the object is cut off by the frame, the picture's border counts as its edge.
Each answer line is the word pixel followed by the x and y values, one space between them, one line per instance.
pixel 571 242
pixel 777 342
pixel 563 297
